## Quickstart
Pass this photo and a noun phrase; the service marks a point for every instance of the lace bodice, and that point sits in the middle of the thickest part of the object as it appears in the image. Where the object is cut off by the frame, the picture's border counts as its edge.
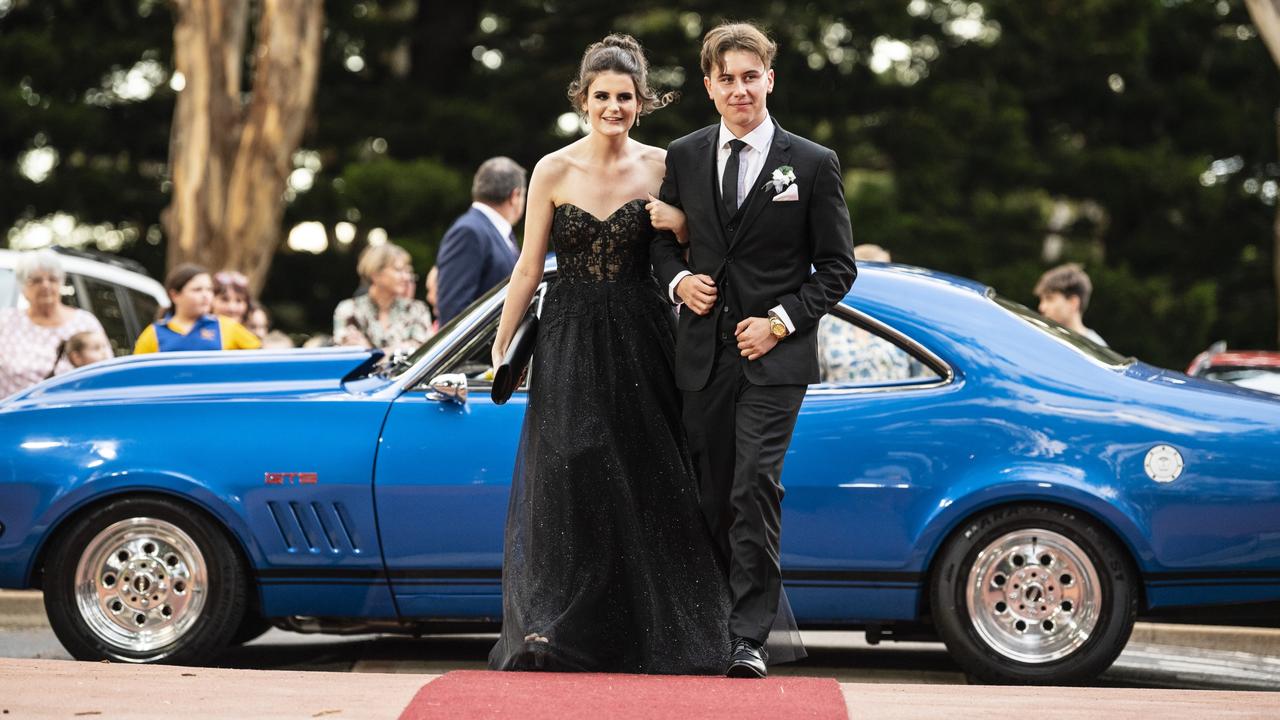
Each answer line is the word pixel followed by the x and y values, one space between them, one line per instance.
pixel 594 250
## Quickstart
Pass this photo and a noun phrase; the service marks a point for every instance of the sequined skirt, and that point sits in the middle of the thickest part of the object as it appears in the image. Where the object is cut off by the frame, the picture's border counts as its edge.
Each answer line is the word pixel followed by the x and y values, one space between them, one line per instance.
pixel 608 566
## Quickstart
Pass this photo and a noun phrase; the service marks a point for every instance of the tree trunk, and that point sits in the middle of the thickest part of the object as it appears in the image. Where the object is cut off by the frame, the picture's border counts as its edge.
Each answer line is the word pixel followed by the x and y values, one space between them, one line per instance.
pixel 284 85
pixel 208 45
pixel 1266 16
pixel 229 163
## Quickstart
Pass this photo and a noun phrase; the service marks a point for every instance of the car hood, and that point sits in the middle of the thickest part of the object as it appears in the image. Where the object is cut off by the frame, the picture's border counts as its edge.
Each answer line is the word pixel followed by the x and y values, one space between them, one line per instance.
pixel 192 375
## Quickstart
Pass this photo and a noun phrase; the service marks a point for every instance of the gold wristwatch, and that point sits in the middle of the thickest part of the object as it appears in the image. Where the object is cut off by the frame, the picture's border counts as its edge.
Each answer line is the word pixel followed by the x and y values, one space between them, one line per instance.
pixel 777 327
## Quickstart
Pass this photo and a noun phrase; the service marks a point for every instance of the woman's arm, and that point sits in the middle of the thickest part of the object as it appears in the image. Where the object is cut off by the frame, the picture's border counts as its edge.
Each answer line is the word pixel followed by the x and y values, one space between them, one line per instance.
pixel 664 216
pixel 533 253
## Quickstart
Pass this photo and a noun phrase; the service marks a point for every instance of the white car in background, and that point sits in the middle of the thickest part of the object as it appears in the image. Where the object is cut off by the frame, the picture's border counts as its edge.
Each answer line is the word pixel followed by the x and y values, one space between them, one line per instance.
pixel 117 291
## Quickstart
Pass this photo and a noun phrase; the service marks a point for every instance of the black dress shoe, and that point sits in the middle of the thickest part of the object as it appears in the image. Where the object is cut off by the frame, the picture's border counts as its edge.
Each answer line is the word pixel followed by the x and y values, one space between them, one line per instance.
pixel 747 659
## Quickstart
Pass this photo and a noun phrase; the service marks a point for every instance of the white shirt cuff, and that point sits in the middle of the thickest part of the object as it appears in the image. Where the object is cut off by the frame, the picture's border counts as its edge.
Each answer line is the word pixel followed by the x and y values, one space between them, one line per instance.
pixel 782 315
pixel 671 289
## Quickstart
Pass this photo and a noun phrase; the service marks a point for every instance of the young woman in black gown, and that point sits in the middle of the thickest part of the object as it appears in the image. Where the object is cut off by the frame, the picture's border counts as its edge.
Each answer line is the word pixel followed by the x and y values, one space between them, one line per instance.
pixel 608 564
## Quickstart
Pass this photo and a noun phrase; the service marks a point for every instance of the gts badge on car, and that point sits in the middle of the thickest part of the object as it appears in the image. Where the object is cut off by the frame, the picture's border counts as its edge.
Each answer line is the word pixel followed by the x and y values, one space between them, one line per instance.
pixel 291 478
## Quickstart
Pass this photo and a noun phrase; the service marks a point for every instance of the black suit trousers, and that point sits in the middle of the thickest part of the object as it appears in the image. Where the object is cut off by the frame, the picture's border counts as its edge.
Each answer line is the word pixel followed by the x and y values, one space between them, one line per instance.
pixel 738 435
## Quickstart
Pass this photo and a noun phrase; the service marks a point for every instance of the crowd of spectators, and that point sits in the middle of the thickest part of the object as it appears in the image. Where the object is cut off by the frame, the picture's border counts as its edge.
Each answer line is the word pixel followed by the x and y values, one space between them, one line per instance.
pixel 191 322
pixel 217 311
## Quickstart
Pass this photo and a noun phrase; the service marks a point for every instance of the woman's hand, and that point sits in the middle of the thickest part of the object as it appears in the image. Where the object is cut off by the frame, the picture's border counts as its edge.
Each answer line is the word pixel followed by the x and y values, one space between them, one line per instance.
pixel 664 216
pixel 353 337
pixel 497 353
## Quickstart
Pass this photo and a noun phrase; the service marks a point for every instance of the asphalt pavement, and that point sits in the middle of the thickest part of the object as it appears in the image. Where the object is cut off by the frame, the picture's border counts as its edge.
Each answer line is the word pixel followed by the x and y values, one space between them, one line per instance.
pixel 1158 656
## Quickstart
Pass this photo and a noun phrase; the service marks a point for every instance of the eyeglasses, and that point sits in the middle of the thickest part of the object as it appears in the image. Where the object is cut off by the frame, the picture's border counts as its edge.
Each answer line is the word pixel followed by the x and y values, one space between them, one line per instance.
pixel 231 278
pixel 42 279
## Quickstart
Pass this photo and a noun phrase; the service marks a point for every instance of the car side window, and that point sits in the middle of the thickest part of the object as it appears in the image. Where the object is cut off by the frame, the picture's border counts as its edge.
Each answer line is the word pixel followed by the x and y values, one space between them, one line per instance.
pixel 104 303
pixel 850 355
pixel 473 357
pixel 473 360
pixel 145 308
pixel 8 288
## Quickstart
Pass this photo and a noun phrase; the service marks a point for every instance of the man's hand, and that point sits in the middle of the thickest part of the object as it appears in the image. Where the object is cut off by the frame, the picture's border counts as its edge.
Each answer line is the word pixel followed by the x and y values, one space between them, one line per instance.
pixel 754 338
pixel 698 293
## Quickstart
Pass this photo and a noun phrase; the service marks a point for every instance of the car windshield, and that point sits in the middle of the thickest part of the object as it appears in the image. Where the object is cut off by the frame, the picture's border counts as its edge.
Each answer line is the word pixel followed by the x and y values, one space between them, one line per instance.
pixel 7 286
pixel 1101 353
pixel 396 366
pixel 1264 379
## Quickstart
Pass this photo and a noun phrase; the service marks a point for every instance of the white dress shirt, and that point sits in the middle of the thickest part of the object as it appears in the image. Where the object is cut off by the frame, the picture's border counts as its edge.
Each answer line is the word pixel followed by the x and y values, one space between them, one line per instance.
pixel 499 223
pixel 750 162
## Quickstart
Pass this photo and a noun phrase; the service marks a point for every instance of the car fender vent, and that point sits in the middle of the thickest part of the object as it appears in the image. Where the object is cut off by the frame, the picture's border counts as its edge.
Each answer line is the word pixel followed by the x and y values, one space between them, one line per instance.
pixel 315 527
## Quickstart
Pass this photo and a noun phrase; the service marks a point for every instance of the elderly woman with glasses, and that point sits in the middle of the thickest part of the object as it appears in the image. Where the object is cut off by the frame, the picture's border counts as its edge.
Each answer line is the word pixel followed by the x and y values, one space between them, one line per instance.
pixel 383 317
pixel 30 336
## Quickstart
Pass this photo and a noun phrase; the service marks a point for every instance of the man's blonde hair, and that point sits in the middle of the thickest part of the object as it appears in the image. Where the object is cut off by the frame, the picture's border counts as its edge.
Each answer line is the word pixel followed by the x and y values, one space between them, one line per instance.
pixel 736 36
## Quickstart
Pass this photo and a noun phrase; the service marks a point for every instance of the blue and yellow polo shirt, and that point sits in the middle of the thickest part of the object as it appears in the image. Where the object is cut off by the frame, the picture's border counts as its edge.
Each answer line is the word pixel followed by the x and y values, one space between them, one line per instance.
pixel 210 332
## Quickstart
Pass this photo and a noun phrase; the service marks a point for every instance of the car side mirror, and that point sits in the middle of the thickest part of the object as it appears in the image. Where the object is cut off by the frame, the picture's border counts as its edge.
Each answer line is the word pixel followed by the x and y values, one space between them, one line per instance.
pixel 449 387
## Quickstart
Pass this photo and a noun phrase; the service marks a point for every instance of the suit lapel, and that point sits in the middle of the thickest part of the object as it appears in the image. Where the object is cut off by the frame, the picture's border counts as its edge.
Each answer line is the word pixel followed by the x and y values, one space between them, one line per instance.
pixel 705 165
pixel 779 155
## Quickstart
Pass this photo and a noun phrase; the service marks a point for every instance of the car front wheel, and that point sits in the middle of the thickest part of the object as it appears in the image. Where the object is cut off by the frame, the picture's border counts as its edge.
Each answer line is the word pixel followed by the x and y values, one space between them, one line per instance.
pixel 1033 595
pixel 144 580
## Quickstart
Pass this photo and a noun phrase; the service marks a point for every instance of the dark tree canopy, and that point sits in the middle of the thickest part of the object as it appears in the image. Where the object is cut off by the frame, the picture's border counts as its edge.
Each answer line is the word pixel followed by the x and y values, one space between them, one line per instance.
pixel 991 139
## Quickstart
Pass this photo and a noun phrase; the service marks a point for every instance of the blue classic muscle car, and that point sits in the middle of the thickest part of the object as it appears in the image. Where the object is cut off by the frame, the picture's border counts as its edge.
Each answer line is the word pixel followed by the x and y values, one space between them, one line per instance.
pixel 967 470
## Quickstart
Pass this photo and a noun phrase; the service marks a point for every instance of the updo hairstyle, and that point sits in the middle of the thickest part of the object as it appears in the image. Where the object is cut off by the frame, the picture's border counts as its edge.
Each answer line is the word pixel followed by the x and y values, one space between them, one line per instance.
pixel 620 54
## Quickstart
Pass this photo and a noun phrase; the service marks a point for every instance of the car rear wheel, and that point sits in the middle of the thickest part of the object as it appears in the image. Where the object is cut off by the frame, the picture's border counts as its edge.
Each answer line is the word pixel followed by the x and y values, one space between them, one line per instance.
pixel 144 580
pixel 1034 595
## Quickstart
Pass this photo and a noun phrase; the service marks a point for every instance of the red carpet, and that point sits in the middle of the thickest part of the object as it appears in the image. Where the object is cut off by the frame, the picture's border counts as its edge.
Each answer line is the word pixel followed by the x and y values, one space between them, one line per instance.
pixel 571 696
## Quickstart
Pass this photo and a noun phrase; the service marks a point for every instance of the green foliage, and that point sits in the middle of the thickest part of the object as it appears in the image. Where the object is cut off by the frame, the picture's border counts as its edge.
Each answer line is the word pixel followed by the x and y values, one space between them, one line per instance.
pixel 400 194
pixel 1137 135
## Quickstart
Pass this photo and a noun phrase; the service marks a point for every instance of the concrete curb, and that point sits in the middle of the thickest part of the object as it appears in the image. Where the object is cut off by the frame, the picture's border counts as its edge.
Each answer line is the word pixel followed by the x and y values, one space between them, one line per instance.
pixel 26 607
pixel 21 608
pixel 1257 641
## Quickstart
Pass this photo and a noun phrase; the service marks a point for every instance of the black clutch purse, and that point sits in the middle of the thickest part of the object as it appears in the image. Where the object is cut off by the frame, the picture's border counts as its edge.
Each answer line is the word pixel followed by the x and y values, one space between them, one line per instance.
pixel 507 376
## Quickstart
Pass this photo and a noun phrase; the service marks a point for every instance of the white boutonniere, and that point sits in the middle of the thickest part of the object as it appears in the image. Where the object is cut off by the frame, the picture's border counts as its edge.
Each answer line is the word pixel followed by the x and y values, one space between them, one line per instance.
pixel 782 178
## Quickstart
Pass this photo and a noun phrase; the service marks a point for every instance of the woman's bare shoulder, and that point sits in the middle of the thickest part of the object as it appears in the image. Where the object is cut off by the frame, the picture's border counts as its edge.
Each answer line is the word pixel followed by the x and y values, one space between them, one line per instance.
pixel 651 154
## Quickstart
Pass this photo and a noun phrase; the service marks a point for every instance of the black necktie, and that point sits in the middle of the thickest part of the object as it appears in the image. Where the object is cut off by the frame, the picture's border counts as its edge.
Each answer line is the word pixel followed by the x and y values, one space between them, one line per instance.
pixel 729 183
pixel 511 238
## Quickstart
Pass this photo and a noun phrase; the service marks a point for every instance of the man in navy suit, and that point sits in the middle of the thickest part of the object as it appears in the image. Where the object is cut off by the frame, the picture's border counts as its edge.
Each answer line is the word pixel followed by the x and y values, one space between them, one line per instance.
pixel 480 250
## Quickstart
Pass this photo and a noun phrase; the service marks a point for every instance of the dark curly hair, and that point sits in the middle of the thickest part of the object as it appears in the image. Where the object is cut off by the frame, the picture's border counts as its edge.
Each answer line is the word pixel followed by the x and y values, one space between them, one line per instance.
pixel 620 54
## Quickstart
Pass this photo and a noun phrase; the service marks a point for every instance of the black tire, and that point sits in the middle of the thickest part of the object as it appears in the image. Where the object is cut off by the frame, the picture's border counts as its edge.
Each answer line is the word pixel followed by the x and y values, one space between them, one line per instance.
pixel 209 631
pixel 252 627
pixel 1116 579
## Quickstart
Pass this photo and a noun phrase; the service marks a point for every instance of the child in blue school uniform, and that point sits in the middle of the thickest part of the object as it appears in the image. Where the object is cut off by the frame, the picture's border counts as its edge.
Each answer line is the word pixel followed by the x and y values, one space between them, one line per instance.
pixel 190 325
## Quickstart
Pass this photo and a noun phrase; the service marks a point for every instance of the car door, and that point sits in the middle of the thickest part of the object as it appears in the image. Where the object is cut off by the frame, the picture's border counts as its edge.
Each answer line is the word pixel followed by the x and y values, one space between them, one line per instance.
pixel 441 486
pixel 866 457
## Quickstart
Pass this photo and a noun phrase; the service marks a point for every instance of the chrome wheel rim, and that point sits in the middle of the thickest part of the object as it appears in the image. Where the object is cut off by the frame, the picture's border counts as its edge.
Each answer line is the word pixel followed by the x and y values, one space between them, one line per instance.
pixel 1034 596
pixel 141 584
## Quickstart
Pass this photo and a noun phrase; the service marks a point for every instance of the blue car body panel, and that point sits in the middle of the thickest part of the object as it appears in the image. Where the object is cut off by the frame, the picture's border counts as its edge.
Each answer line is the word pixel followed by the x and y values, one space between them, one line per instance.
pixel 354 495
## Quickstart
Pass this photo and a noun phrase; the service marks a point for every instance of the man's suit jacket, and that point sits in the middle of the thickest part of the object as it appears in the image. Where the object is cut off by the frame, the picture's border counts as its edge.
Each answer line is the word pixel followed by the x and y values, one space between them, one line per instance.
pixel 796 254
pixel 473 258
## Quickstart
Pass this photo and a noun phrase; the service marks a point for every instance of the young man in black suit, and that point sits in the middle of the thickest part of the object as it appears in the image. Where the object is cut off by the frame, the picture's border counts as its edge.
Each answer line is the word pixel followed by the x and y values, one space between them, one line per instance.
pixel 771 251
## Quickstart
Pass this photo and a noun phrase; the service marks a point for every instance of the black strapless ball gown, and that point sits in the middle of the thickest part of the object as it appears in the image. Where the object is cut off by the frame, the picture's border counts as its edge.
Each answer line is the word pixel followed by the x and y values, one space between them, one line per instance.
pixel 609 565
